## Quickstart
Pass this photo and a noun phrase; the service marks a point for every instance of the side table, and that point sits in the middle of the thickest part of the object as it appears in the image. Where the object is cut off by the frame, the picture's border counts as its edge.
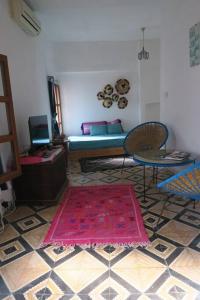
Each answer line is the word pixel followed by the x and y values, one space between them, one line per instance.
pixel 155 159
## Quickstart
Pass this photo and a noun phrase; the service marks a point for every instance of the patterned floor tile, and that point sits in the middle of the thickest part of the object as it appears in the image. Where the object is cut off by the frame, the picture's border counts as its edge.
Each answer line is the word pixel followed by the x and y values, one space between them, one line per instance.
pixel 161 248
pixel 4 289
pixel 187 258
pixel 169 212
pixel 137 259
pixel 48 213
pixel 10 250
pixel 109 179
pixel 168 268
pixel 190 206
pixel 23 271
pixel 56 253
pixel 139 278
pixel 190 217
pixel 179 201
pixel 188 265
pixel 28 223
pixel 155 194
pixel 81 261
pixel 151 220
pixel 74 280
pixel 139 270
pixel 80 271
pixel 149 232
pixel 109 289
pixel 36 291
pixel 174 288
pixel 19 213
pixel 8 298
pixel 125 174
pixel 8 234
pixel 36 236
pixel 179 232
pixel 52 289
pixel 96 176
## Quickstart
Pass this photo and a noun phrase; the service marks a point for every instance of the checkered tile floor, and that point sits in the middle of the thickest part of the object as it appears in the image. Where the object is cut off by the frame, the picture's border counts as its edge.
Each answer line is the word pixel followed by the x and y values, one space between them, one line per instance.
pixel 169 268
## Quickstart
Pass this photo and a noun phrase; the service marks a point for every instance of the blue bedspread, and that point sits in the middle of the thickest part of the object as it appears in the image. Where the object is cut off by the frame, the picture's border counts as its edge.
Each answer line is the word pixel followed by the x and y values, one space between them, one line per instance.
pixel 87 142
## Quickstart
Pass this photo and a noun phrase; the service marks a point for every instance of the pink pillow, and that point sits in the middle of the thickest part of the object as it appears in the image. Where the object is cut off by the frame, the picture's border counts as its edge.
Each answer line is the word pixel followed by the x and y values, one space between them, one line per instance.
pixel 85 127
pixel 114 122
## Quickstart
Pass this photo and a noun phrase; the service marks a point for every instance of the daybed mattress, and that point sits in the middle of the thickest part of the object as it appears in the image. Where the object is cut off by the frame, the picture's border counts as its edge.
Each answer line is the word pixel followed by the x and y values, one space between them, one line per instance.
pixel 88 142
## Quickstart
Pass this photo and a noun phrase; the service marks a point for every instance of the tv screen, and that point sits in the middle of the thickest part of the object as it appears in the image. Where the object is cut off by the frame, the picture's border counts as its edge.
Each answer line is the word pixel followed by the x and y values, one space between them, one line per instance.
pixel 39 131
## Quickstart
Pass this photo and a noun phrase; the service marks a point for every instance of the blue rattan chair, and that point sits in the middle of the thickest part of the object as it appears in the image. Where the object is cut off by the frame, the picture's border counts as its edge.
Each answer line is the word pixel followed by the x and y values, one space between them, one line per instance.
pixel 186 183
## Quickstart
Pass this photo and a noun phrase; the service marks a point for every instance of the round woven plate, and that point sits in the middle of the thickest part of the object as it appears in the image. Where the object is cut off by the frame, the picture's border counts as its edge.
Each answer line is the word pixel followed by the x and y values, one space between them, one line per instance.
pixel 115 97
pixel 122 103
pixel 122 86
pixel 108 90
pixel 101 96
pixel 107 102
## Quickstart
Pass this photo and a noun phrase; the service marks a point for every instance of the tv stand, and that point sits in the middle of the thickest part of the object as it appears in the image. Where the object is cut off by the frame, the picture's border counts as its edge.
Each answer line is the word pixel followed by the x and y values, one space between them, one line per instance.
pixel 43 180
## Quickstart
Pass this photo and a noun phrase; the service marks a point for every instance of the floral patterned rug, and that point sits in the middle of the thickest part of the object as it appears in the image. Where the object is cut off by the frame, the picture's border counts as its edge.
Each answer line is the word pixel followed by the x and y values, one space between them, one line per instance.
pixel 92 216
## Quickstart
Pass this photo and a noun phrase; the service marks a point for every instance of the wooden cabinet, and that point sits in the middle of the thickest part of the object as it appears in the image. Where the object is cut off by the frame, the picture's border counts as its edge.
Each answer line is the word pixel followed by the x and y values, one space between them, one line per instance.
pixel 64 143
pixel 42 182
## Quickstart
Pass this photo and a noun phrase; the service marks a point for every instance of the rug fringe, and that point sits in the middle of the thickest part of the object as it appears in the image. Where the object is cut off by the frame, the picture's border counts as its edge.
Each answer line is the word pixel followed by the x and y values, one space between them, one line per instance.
pixel 96 245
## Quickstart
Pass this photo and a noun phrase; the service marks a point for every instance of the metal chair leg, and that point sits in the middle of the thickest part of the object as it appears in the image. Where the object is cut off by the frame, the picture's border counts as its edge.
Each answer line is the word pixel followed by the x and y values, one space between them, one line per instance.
pixel 123 164
pixel 153 175
pixel 194 204
pixel 156 175
pixel 144 182
pixel 161 212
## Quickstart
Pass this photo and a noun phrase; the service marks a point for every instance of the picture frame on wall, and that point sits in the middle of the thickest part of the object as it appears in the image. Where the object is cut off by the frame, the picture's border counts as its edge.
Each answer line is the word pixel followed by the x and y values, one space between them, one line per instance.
pixel 195 45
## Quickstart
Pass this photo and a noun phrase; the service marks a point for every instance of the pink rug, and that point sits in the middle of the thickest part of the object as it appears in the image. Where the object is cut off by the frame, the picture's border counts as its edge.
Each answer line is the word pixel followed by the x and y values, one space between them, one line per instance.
pixel 93 216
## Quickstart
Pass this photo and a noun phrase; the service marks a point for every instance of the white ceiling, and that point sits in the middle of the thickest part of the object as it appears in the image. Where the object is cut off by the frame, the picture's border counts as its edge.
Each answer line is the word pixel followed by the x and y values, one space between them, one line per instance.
pixel 97 20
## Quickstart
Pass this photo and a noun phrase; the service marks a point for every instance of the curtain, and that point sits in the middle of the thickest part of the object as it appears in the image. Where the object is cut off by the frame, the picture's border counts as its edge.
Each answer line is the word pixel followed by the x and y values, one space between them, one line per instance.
pixel 54 124
pixel 58 107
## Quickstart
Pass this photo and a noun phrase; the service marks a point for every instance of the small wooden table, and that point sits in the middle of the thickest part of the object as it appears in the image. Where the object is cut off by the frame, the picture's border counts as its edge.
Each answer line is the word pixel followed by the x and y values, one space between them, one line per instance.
pixel 156 159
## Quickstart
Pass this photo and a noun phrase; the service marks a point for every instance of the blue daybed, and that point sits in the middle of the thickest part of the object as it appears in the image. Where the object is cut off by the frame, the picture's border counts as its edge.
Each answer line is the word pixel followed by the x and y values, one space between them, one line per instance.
pixel 87 145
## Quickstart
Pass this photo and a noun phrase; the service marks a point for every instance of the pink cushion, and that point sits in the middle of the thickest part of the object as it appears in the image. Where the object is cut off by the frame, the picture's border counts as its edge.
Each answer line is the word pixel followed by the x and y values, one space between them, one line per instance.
pixel 114 122
pixel 85 127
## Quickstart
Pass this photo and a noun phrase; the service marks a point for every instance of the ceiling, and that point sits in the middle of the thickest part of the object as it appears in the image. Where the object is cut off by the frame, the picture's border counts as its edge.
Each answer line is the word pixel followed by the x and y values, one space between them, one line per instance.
pixel 97 20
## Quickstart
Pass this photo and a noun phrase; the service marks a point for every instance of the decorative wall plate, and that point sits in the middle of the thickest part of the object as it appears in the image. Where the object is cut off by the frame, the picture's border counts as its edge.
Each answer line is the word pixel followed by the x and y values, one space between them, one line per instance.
pixel 122 86
pixel 108 90
pixel 100 96
pixel 122 103
pixel 107 102
pixel 115 97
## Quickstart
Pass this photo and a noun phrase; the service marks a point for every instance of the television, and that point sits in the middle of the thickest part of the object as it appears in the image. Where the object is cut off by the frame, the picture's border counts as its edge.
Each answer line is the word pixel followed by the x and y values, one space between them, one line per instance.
pixel 39 131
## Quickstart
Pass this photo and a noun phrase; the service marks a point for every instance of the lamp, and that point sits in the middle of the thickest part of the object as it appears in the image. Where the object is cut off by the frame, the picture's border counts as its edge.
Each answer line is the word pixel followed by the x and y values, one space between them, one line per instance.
pixel 143 54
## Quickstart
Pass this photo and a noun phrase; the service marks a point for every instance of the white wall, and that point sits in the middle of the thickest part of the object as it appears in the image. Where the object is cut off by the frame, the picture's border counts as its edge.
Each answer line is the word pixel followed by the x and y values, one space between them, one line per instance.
pixel 84 68
pixel 180 88
pixel 80 103
pixel 26 59
pixel 95 56
pixel 150 82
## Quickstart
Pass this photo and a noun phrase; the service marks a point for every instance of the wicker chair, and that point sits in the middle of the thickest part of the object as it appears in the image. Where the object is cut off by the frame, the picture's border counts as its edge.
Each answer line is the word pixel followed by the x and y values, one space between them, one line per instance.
pixel 146 136
pixel 186 183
